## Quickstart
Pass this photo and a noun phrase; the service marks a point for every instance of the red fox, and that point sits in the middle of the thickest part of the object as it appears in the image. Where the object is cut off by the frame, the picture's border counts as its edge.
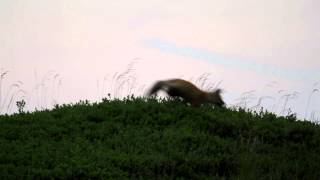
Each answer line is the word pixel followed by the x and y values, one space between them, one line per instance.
pixel 188 91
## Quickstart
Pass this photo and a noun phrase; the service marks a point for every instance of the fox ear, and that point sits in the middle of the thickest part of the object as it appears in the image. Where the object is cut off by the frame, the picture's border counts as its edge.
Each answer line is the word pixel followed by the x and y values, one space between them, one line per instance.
pixel 218 91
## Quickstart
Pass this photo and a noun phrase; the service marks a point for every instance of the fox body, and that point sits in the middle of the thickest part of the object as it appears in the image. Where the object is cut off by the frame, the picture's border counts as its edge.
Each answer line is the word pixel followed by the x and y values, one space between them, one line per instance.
pixel 188 91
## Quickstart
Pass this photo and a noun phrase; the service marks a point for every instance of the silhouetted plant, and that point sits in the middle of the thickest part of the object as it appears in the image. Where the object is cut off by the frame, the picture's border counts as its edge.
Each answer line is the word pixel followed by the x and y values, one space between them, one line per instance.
pixel 21 104
pixel 314 90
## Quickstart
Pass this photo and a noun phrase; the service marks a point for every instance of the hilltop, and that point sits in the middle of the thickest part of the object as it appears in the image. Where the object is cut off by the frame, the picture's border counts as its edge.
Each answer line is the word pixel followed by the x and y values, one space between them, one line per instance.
pixel 156 139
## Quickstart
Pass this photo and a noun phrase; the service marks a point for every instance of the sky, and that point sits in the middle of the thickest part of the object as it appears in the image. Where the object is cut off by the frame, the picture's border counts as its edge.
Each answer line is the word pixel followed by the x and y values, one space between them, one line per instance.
pixel 261 53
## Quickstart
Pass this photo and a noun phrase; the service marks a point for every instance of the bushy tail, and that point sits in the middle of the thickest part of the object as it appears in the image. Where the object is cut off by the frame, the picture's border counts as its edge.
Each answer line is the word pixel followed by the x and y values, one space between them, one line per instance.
pixel 155 88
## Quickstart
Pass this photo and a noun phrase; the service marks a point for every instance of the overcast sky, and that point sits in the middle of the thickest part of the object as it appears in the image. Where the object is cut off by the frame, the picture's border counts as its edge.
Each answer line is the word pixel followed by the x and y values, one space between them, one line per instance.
pixel 63 51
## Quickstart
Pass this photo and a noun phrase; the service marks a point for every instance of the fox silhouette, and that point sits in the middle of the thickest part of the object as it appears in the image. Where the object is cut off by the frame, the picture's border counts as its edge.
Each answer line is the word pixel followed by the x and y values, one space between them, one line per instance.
pixel 188 92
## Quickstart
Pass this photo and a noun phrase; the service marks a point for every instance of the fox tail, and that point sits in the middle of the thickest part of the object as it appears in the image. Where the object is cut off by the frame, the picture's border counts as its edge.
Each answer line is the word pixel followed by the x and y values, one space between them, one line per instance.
pixel 155 88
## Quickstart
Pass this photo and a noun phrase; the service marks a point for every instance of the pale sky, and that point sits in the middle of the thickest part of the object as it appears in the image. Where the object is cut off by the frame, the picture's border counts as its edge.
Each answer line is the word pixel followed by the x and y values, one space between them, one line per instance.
pixel 65 51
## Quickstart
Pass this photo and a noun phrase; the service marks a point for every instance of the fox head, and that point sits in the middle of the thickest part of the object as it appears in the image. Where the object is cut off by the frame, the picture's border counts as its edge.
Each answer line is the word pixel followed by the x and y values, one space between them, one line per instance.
pixel 215 98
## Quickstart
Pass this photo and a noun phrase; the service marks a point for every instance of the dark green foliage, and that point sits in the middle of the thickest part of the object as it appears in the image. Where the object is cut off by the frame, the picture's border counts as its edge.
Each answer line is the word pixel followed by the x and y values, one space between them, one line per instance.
pixel 139 138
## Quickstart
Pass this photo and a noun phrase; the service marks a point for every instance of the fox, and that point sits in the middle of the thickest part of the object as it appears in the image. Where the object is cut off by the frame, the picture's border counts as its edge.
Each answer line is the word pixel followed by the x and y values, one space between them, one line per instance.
pixel 189 92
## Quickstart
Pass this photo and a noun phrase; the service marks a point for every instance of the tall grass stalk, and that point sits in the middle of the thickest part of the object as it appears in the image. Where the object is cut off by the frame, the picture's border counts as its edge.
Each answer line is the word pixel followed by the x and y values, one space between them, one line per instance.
pixel 120 83
pixel 245 98
pixel 13 98
pixel 314 90
pixel 2 76
pixel 259 103
pixel 46 91
pixel 286 98
pixel 13 87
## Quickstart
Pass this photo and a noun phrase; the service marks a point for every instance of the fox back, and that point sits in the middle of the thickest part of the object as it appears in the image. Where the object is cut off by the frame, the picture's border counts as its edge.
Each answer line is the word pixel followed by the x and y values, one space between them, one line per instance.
pixel 188 91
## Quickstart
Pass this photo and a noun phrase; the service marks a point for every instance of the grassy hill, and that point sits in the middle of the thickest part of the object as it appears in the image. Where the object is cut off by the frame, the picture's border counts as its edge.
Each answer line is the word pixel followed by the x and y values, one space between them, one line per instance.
pixel 147 139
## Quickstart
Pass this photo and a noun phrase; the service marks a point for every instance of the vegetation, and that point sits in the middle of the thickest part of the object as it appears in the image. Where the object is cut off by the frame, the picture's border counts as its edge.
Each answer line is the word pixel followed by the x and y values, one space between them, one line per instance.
pixel 138 138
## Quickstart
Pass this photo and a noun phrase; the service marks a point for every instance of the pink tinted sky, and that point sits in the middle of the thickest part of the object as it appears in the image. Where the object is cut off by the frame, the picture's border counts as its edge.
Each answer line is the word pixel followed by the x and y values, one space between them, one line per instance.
pixel 245 44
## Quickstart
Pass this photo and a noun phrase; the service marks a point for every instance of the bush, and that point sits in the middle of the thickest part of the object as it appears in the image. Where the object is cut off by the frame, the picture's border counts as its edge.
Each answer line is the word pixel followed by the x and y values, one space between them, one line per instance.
pixel 164 139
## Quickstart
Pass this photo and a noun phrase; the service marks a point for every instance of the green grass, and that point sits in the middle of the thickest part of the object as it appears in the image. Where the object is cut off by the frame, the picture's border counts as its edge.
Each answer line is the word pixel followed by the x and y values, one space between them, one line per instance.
pixel 139 138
